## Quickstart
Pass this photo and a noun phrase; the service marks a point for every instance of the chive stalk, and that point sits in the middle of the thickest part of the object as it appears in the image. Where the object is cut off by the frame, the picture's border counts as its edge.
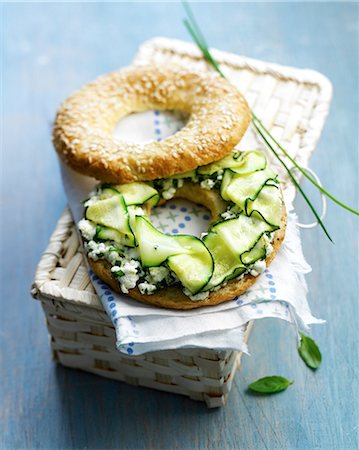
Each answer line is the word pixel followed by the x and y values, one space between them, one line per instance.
pixel 196 34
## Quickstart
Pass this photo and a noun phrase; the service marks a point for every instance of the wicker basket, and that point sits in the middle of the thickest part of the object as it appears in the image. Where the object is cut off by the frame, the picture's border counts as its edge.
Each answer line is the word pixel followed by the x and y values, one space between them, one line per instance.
pixel 293 104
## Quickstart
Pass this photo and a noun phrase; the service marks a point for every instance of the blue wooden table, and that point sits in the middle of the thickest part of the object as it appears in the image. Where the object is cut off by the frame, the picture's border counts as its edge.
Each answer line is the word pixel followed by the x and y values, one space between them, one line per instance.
pixel 52 49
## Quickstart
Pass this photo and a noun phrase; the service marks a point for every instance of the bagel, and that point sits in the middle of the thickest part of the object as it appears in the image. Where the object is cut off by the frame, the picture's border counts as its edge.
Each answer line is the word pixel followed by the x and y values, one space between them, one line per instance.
pixel 83 128
pixel 244 192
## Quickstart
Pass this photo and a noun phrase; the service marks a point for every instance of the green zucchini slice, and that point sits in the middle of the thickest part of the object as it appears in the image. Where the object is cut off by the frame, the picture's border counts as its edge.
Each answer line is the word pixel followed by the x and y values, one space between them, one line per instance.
pixel 267 205
pixel 112 213
pixel 138 193
pixel 133 212
pixel 226 264
pixel 155 247
pixel 179 176
pixel 109 234
pixel 257 253
pixel 242 233
pixel 195 267
pixel 186 255
pixel 226 181
pixel 247 162
pixel 241 187
pixel 107 191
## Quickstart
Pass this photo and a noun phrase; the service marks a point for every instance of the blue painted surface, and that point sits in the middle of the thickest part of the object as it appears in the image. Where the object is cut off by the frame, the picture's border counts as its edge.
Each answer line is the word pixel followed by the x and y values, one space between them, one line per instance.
pixel 52 49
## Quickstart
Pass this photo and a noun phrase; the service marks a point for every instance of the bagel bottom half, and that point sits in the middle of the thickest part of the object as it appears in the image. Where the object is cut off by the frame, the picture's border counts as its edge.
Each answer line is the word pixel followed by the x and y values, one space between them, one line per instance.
pixel 172 297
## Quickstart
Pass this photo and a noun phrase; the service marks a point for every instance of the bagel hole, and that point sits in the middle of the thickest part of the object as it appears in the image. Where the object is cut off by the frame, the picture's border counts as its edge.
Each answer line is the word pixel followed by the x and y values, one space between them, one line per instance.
pixel 146 126
pixel 178 216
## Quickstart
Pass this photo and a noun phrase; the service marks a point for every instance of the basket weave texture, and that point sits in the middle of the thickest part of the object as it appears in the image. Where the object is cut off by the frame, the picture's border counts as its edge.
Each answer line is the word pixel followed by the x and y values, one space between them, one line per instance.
pixel 293 104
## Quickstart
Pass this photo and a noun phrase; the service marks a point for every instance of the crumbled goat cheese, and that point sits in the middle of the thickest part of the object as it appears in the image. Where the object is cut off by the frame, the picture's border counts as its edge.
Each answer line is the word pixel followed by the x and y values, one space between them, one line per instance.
pixel 147 288
pixel 207 184
pixel 169 188
pixel 231 213
pixel 269 246
pixel 220 175
pixel 168 183
pixel 196 297
pixel 170 193
pixel 96 250
pixel 130 275
pixel 258 268
pixel 112 256
pixel 217 288
pixel 158 274
pixel 87 229
pixel 226 215
pixel 133 253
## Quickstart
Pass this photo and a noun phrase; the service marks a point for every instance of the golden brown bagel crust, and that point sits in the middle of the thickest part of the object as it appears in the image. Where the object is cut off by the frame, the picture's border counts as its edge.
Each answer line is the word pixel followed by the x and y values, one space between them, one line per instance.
pixel 82 135
pixel 173 297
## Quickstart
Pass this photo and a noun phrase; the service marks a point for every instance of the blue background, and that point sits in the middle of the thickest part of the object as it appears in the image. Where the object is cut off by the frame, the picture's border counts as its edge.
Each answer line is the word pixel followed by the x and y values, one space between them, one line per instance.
pixel 52 49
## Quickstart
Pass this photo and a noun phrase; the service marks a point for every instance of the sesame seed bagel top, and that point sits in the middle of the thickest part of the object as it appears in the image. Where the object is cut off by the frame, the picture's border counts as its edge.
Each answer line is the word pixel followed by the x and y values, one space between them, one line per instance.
pixel 83 129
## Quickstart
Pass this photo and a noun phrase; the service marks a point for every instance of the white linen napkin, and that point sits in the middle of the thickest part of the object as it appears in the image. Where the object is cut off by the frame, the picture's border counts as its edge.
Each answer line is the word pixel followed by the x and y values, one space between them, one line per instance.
pixel 280 292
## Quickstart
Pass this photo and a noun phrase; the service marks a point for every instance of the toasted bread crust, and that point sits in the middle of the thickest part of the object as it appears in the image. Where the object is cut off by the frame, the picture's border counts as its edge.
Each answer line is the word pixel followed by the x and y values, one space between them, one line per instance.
pixel 82 135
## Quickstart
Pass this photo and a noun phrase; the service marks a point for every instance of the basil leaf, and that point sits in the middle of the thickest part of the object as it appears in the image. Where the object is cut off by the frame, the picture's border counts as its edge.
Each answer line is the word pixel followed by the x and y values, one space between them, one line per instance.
pixel 270 385
pixel 309 352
